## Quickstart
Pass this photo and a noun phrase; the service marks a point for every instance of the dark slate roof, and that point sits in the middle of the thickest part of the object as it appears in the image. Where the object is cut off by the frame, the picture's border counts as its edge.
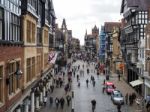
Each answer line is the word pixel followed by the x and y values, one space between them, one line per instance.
pixel 140 4
pixel 108 26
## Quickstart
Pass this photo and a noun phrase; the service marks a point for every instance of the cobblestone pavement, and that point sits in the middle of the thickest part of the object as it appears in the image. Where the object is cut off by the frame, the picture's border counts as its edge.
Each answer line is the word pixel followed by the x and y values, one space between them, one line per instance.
pixel 58 92
pixel 83 95
pixel 126 88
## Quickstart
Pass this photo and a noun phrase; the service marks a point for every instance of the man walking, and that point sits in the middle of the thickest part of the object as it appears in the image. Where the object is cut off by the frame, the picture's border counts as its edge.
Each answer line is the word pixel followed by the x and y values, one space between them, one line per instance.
pixel 57 102
pixel 68 98
pixel 62 101
pixel 87 81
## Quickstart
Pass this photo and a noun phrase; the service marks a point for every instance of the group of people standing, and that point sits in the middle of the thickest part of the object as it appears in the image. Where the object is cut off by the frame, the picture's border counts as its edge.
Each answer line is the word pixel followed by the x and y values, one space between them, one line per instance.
pixel 130 98
pixel 60 101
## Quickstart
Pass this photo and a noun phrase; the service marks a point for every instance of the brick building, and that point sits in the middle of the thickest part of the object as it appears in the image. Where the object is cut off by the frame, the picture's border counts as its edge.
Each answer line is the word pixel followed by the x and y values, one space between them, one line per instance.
pixel 26 38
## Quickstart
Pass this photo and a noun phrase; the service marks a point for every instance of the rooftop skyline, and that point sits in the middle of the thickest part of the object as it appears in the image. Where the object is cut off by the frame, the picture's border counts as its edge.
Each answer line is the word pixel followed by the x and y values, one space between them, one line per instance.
pixel 85 14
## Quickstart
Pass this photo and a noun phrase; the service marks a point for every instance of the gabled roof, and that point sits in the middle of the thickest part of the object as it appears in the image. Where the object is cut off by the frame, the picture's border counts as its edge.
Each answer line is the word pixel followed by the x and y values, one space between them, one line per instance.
pixel 95 27
pixel 137 4
pixel 64 26
pixel 108 26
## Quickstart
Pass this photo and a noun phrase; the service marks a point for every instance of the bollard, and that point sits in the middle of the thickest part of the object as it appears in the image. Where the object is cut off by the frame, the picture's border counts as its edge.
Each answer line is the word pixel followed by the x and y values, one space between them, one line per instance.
pixel 72 94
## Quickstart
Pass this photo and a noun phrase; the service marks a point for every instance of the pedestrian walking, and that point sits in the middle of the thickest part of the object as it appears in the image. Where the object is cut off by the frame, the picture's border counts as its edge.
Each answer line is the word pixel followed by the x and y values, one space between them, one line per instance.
pixel 74 74
pixel 118 77
pixel 62 101
pixel 97 73
pixel 87 81
pixel 45 100
pixel 91 78
pixel 57 102
pixel 87 71
pixel 57 83
pixel 130 99
pixel 52 88
pixel 126 98
pixel 103 89
pixel 119 108
pixel 93 102
pixel 66 88
pixel 93 83
pixel 50 100
pixel 68 98
pixel 77 78
pixel 104 82
pixel 61 83
pixel 78 83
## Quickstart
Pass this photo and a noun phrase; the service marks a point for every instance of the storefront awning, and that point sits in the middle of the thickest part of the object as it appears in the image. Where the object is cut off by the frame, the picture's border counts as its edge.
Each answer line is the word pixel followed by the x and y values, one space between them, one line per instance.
pixel 136 82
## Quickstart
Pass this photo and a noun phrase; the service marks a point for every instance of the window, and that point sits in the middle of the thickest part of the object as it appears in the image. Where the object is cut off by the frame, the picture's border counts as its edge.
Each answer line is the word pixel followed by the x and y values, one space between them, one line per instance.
pixel 30 68
pixel 14 83
pixel 45 59
pixel 39 64
pixel 11 78
pixel 39 36
pixel 45 37
pixel 14 27
pixel 33 33
pixel 30 32
pixel 33 66
pixel 17 80
pixel 1 24
pixel 1 84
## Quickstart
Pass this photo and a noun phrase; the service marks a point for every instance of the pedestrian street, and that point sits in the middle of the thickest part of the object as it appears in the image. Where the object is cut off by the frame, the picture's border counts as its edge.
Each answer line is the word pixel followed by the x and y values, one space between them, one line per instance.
pixel 83 94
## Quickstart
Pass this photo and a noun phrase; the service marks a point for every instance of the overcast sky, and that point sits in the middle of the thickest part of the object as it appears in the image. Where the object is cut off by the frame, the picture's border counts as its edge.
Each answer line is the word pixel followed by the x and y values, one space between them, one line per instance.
pixel 85 14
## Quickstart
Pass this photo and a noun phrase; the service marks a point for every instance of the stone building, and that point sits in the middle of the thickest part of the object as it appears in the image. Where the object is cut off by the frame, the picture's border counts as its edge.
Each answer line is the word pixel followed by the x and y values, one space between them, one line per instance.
pixel 92 42
pixel 108 30
pixel 27 27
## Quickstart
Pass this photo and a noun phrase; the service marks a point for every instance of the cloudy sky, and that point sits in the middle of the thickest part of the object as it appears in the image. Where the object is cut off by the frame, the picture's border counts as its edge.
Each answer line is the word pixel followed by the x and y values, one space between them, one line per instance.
pixel 85 14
